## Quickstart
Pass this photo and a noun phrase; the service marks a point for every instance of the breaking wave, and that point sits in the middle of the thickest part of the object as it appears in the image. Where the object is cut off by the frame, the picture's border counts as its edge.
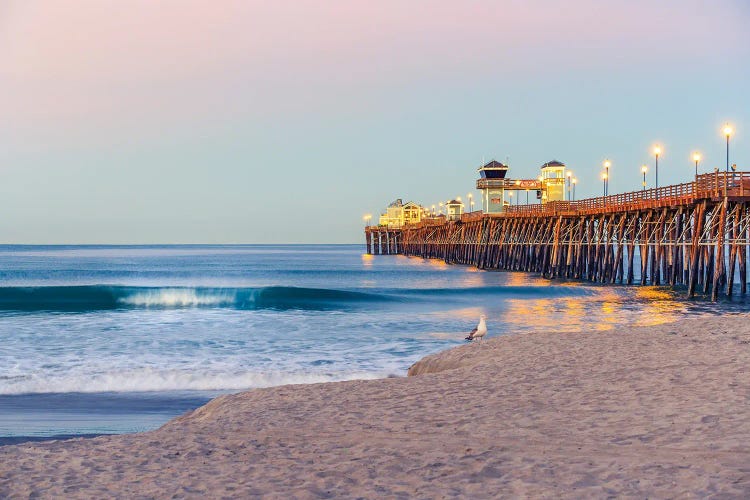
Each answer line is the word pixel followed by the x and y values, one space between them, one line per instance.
pixel 105 297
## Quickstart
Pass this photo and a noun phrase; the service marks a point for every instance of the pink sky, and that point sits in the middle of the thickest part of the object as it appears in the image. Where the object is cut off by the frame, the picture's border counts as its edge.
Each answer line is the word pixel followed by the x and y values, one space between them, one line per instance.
pixel 70 59
pixel 134 120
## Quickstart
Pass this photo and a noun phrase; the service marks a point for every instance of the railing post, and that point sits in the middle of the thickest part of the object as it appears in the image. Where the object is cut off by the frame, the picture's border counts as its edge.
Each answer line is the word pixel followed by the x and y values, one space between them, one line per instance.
pixel 726 177
pixel 716 182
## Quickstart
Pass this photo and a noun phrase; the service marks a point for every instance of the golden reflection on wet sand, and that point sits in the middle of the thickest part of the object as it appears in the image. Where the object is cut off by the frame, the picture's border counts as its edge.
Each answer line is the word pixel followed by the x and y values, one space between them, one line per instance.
pixel 569 314
pixel 659 306
pixel 563 314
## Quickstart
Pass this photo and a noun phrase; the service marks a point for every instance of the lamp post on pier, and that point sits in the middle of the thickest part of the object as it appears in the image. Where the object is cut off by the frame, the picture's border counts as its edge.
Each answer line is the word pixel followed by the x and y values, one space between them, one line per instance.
pixel 471 201
pixel 696 159
pixel 367 218
pixel 574 182
pixel 604 184
pixel 607 164
pixel 657 152
pixel 644 169
pixel 728 132
pixel 569 175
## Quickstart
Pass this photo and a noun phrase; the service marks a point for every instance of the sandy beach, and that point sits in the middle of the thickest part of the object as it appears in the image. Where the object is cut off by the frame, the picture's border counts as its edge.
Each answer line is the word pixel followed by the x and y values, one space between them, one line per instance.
pixel 661 412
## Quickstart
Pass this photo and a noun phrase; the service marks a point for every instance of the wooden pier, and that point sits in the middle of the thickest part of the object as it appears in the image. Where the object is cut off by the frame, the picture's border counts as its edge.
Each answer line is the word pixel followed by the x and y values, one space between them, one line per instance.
pixel 694 234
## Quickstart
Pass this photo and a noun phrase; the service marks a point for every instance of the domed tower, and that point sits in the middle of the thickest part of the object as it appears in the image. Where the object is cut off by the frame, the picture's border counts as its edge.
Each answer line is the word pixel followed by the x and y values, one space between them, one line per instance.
pixel 553 181
pixel 492 184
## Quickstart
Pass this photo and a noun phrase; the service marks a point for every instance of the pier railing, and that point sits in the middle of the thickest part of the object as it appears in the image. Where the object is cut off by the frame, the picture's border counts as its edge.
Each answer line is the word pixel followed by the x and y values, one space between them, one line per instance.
pixel 469 216
pixel 713 185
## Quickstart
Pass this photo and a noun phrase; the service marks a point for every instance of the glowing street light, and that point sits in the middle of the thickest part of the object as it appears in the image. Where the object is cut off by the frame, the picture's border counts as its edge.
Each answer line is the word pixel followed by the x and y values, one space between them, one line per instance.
pixel 696 159
pixel 471 201
pixel 367 218
pixel 606 164
pixel 433 210
pixel 574 182
pixel 657 152
pixel 728 132
pixel 644 169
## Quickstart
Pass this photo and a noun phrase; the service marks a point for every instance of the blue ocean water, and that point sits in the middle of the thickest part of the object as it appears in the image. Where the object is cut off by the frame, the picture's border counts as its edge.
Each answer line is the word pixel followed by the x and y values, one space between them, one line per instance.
pixel 106 339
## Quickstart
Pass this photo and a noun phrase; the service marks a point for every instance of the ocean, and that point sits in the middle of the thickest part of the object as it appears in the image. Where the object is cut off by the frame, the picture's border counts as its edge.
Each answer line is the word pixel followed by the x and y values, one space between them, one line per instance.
pixel 115 339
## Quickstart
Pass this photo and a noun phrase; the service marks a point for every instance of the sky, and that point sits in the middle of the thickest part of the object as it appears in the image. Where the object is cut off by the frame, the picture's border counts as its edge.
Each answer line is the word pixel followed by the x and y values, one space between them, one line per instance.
pixel 284 122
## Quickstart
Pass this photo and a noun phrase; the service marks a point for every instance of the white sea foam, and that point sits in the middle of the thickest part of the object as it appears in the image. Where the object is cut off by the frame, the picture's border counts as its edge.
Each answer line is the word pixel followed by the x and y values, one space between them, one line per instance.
pixel 178 297
pixel 149 380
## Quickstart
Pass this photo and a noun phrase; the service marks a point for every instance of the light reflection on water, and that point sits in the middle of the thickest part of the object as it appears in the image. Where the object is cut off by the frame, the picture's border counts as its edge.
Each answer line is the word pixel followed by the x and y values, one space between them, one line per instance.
pixel 570 306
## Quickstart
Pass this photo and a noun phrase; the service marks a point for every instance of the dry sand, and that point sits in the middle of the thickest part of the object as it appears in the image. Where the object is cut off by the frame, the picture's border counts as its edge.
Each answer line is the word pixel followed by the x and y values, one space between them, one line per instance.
pixel 658 412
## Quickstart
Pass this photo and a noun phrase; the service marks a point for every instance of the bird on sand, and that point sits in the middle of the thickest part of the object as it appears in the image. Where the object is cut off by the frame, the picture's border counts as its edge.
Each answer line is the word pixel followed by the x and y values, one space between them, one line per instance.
pixel 480 331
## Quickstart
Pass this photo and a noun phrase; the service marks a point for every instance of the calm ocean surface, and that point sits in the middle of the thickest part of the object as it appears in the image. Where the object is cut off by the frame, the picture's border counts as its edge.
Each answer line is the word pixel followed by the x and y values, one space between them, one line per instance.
pixel 102 339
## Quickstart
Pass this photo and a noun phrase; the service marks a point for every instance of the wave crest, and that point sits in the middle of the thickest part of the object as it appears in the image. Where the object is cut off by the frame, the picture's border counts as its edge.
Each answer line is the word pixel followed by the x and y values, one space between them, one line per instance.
pixel 177 297
pixel 105 297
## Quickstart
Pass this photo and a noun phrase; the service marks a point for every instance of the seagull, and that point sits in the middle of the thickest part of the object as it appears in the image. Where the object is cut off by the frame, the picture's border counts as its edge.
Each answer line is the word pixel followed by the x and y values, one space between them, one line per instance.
pixel 480 331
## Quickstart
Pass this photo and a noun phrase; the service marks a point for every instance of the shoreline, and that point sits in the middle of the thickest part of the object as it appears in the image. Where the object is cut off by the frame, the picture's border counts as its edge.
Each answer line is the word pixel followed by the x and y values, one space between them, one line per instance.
pixel 657 411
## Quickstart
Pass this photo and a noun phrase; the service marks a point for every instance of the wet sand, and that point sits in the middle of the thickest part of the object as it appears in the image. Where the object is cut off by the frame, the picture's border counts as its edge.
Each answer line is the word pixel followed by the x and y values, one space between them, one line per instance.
pixel 654 412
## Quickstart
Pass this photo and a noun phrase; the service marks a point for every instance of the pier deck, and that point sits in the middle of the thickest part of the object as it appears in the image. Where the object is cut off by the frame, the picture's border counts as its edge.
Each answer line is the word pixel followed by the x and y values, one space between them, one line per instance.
pixel 694 234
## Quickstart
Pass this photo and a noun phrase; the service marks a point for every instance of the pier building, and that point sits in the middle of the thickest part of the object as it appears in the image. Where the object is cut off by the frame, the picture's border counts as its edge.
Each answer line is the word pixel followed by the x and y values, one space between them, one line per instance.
pixel 493 184
pixel 553 181
pixel 398 214
pixel 454 209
